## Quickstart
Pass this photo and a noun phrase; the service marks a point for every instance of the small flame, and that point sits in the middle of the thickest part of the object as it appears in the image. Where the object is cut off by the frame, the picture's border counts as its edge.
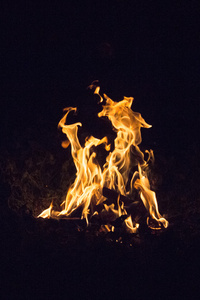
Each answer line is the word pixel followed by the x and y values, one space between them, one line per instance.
pixel 85 194
pixel 47 212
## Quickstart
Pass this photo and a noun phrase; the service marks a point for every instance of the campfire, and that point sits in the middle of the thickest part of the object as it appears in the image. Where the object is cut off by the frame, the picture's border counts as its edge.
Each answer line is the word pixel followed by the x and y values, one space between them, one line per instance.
pixel 117 191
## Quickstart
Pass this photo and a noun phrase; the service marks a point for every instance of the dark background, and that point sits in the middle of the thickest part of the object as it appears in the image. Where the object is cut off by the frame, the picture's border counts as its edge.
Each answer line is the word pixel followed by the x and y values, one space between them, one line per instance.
pixel 50 52
pixel 149 50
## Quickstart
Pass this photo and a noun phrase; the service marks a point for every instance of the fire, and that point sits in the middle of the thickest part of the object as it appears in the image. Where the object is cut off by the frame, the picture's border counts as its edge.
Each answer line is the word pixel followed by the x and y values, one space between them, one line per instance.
pixel 86 198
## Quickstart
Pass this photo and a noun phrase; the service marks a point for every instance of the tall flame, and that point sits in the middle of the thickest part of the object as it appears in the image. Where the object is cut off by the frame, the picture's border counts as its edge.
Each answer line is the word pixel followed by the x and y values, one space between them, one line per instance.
pixel 85 194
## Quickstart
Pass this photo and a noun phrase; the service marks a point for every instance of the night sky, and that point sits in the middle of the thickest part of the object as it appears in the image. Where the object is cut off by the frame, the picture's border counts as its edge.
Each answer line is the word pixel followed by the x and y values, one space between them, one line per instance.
pixel 51 51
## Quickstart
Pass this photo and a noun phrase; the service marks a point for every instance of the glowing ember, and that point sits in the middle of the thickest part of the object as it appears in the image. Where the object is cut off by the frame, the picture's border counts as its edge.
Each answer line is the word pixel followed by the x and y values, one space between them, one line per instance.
pixel 86 195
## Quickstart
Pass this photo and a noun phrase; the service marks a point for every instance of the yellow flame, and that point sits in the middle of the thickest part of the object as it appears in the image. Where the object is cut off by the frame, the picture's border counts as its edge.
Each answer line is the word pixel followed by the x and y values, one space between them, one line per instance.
pixel 149 199
pixel 86 191
pixel 129 224
pixel 47 212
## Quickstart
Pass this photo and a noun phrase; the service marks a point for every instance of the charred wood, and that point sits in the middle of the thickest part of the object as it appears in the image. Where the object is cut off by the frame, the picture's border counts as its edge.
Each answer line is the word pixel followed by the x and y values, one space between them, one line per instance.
pixel 112 197
pixel 134 208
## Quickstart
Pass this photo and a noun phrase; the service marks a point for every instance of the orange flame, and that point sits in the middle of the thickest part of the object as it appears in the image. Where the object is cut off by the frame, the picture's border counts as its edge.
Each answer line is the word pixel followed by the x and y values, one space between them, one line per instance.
pixel 86 191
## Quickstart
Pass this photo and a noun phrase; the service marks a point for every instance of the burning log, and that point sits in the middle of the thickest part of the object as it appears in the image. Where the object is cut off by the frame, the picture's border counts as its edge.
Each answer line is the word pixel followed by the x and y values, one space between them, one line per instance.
pixel 136 209
pixel 112 197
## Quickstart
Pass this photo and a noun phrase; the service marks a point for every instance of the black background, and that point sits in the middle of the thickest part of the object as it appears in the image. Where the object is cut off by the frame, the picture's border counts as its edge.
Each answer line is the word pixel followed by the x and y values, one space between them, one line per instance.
pixel 149 50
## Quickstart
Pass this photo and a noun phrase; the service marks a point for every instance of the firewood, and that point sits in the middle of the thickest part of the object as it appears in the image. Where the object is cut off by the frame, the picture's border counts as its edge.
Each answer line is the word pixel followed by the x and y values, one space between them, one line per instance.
pixel 112 197
pixel 137 210
pixel 134 208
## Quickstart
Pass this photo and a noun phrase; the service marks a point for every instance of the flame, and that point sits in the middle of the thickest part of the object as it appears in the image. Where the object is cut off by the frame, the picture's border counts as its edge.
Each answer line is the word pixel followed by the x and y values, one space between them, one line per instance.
pixel 85 196
pixel 47 212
